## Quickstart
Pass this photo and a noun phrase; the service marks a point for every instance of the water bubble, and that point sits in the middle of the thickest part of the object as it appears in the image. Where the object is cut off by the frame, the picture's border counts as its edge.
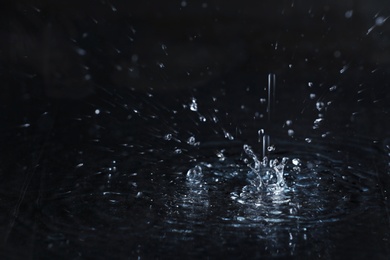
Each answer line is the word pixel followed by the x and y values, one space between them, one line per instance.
pixel 296 168
pixel 271 148
pixel 192 141
pixel 195 174
pixel 194 105
pixel 240 219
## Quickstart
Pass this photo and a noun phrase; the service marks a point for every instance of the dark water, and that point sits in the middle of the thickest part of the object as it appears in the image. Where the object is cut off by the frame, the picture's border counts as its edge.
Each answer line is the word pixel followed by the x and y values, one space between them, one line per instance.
pixel 123 136
pixel 77 184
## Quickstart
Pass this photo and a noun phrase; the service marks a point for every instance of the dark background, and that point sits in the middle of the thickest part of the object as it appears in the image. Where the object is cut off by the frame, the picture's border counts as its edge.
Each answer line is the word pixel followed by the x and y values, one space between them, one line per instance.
pixel 135 61
pixel 82 49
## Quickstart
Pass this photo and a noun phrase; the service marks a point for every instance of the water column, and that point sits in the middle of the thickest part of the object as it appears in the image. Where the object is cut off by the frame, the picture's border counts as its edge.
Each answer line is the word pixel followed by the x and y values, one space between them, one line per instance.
pixel 264 137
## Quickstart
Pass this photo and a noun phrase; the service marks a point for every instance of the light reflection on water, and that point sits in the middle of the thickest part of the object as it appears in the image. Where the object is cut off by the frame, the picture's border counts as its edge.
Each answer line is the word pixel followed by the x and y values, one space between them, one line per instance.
pixel 155 202
pixel 130 189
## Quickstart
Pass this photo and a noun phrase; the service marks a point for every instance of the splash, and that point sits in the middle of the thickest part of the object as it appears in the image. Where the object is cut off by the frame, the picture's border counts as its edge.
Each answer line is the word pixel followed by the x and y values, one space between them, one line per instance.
pixel 268 174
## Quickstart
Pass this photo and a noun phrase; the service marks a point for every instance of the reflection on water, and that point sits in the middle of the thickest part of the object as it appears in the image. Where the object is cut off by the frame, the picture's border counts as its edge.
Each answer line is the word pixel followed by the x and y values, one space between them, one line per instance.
pixel 130 203
pixel 184 177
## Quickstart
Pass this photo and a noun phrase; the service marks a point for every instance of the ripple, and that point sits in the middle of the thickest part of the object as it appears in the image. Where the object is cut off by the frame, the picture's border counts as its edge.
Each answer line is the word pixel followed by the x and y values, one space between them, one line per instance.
pixel 330 185
pixel 333 182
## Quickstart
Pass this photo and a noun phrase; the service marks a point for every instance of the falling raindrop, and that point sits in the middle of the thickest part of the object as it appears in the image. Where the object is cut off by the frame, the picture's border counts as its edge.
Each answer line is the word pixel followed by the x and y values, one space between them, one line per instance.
pixel 193 105
pixel 168 137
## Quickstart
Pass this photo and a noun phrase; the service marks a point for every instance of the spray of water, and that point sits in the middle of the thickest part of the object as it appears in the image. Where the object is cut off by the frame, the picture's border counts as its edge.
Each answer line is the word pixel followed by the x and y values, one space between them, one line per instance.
pixel 268 174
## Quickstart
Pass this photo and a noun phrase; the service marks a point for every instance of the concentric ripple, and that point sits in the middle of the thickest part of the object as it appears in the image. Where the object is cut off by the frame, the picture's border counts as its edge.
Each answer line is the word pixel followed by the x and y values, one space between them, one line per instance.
pixel 212 198
pixel 322 184
pixel 323 190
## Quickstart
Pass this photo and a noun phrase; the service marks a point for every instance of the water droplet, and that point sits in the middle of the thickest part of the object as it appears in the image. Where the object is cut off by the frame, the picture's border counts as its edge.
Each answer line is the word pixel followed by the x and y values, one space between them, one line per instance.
pixel 79 165
pixel 263 100
pixel 317 123
pixel 308 140
pixel 97 111
pixel 343 69
pixel 310 84
pixel 221 156
pixel 312 96
pixel 296 161
pixel 337 54
pixel 348 14
pixel 289 122
pixel 168 137
pixel 81 52
pixel 320 106
pixel 194 105
pixel 240 219
pixel 271 148
pixel 380 20
pixel 178 151
pixel 192 141
pixel 290 132
pixel 195 174
pixel 228 135
pixel 202 118
pixel 333 88
pixel 325 135
pixel 183 3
